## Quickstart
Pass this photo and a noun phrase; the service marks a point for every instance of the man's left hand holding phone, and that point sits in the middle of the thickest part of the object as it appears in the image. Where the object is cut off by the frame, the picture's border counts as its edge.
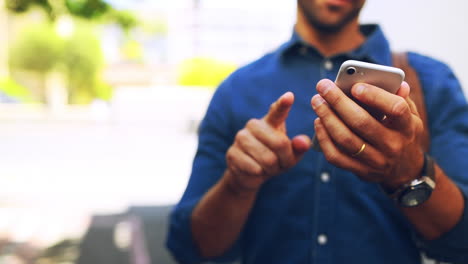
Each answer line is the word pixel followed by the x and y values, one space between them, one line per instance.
pixel 384 151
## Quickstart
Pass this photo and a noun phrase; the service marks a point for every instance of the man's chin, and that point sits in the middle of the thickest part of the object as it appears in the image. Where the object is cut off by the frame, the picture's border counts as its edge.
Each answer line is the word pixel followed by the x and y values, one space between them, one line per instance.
pixel 330 17
pixel 328 28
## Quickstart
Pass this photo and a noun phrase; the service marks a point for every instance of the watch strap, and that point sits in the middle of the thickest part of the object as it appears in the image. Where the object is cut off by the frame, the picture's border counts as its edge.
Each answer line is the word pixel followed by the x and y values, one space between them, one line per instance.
pixel 427 176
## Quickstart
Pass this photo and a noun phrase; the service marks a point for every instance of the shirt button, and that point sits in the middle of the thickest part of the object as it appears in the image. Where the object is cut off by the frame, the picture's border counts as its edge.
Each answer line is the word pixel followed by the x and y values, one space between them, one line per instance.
pixel 328 65
pixel 325 177
pixel 322 239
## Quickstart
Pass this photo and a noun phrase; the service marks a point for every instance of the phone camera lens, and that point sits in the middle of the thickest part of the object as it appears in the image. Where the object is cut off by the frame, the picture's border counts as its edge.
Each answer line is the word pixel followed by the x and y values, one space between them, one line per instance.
pixel 351 70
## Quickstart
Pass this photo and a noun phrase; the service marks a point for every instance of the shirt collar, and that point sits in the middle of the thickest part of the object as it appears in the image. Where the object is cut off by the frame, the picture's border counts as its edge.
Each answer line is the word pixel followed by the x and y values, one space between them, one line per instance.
pixel 288 47
pixel 375 49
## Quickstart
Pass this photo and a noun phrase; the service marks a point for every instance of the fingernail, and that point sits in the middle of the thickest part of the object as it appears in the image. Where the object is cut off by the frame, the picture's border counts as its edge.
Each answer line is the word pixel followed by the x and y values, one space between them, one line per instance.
pixel 405 84
pixel 359 89
pixel 317 121
pixel 324 86
pixel 317 100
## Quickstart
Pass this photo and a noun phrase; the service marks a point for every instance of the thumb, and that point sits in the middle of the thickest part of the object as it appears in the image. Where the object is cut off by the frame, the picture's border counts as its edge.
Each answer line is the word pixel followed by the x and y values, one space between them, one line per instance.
pixel 300 144
pixel 279 110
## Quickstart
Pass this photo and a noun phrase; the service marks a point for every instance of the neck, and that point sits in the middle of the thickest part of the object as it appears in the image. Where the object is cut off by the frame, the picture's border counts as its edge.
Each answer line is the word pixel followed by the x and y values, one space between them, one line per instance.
pixel 330 43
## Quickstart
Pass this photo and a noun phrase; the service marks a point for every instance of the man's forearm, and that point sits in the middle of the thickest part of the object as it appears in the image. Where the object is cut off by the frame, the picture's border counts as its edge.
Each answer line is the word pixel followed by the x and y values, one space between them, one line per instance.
pixel 441 212
pixel 219 217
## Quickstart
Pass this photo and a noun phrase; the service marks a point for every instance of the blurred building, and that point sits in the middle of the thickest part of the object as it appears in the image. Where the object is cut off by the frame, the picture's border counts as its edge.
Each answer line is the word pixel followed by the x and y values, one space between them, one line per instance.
pixel 235 33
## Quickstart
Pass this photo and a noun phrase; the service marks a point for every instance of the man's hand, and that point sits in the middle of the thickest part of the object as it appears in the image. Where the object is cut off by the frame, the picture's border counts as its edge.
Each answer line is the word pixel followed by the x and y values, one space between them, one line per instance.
pixel 262 149
pixel 391 154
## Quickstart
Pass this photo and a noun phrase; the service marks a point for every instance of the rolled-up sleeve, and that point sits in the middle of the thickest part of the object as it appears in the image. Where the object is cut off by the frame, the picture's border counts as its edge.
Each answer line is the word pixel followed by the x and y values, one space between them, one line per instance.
pixel 179 240
pixel 450 247
pixel 215 137
pixel 448 120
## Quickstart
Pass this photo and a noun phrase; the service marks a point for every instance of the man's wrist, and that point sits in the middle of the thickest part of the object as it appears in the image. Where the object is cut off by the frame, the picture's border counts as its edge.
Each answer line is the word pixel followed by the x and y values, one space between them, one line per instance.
pixel 417 190
pixel 392 185
pixel 234 186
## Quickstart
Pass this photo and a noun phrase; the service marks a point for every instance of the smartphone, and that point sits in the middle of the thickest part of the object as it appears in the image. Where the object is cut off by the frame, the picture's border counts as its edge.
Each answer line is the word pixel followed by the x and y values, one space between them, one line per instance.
pixel 353 71
pixel 385 77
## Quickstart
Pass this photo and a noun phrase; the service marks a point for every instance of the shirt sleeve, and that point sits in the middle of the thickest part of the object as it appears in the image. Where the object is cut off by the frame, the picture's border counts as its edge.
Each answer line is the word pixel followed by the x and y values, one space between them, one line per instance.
pixel 215 137
pixel 448 120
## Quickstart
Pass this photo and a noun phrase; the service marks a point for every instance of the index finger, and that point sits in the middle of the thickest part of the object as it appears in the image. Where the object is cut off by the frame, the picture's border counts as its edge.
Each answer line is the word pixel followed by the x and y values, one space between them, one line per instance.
pixel 279 110
pixel 392 105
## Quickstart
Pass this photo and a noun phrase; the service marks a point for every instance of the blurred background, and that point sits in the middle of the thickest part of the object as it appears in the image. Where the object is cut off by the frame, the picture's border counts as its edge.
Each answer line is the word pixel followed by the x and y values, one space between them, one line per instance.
pixel 100 101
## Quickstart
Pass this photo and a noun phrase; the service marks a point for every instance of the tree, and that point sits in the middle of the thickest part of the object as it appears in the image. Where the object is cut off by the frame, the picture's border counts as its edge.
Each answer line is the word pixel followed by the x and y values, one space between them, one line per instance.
pixel 82 8
pixel 87 9
pixel 78 56
pixel 38 49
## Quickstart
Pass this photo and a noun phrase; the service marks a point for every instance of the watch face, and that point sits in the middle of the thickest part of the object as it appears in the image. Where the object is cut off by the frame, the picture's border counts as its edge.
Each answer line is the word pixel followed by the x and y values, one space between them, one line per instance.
pixel 416 195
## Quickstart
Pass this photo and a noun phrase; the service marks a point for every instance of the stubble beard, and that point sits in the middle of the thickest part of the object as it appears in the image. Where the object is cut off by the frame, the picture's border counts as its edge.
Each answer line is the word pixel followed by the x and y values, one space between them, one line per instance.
pixel 313 18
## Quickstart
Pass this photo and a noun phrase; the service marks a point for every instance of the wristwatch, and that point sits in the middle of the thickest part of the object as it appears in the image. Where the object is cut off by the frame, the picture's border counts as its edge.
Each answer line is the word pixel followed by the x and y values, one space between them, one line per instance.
pixel 418 190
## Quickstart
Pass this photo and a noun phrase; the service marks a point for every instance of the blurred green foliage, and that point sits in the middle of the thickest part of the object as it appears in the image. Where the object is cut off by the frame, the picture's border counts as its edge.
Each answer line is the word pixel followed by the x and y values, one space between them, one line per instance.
pixel 38 48
pixel 65 251
pixel 203 71
pixel 20 6
pixel 82 8
pixel 125 19
pixel 80 57
pixel 132 50
pixel 87 8
pixel 83 60
pixel 13 89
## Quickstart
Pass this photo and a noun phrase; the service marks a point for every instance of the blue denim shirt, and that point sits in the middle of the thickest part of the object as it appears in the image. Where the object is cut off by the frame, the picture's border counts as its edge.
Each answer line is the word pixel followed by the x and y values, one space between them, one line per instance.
pixel 316 212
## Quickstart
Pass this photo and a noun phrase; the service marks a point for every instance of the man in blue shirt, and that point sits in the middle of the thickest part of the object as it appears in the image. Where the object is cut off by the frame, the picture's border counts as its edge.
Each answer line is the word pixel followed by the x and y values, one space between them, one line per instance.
pixel 258 194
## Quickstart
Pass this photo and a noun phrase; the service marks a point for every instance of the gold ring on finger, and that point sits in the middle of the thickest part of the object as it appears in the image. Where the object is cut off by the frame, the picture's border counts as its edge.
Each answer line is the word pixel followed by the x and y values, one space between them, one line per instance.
pixel 360 150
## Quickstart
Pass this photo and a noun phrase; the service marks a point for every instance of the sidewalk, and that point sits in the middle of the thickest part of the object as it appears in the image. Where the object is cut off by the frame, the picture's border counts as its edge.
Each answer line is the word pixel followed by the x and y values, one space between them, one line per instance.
pixel 80 161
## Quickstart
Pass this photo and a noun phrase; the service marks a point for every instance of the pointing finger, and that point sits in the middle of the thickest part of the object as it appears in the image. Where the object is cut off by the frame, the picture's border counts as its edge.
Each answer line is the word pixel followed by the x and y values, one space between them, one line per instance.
pixel 279 110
